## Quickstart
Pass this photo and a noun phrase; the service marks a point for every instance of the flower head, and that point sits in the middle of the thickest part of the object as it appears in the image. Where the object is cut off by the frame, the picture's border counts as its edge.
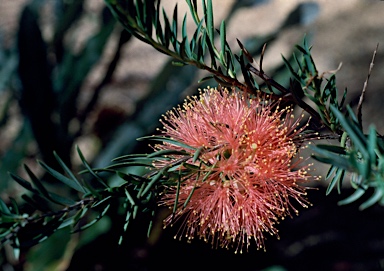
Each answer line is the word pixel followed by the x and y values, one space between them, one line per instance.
pixel 247 171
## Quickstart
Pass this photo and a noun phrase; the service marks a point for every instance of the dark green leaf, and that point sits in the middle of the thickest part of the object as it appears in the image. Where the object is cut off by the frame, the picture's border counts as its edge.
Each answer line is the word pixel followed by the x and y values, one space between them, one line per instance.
pixel 37 182
pixel 166 152
pixel 177 194
pixel 70 174
pixel 332 148
pixel 27 185
pixel 100 216
pixel 131 178
pixel 192 6
pixel 337 179
pixel 355 196
pixel 61 200
pixel 167 140
pixel 376 197
pixel 205 79
pixel 208 13
pixel 57 175
pixel 127 165
pixel 87 166
pixel 196 155
pixel 353 131
pixel 4 208
pixel 154 180
pixel 223 40
pixel 372 144
pixel 129 197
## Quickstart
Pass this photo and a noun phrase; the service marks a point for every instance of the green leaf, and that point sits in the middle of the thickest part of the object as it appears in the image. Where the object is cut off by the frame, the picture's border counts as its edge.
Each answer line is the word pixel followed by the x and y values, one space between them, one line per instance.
pixel 355 196
pixel 36 182
pixel 100 216
pixel 332 148
pixel 179 63
pixel 167 30
pixel 376 197
pixel 332 170
pixel 192 6
pixel 129 157
pixel 223 40
pixel 174 23
pixel 126 165
pixel 61 200
pixel 154 180
pixel 208 13
pixel 210 46
pixel 205 79
pixel 37 202
pixel 190 195
pixel 129 197
pixel 57 175
pixel 4 208
pixel 132 178
pixel 27 185
pixel 69 172
pixel 337 179
pixel 167 140
pixel 197 154
pixel 177 194
pixel 184 32
pixel 372 144
pixel 353 131
pixel 331 158
pixel 166 152
pixel 41 190
pixel 97 203
pixel 15 207
pixel 87 166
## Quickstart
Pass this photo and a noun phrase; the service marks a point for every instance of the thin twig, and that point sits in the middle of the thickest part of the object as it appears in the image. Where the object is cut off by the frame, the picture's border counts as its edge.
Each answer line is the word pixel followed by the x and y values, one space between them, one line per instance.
pixel 262 57
pixel 361 100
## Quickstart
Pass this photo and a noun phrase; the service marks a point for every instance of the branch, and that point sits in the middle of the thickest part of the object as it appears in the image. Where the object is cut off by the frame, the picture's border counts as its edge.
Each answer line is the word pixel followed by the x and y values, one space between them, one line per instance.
pixel 361 100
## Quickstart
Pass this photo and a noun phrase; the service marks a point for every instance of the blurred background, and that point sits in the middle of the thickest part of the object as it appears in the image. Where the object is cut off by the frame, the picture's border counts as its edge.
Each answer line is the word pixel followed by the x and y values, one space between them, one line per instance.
pixel 70 75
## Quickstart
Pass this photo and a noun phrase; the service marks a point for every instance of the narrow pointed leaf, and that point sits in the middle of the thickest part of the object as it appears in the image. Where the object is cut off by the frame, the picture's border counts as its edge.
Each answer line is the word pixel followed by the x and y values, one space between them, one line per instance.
pixel 355 196
pixel 70 182
pixel 27 185
pixel 167 140
pixel 356 137
pixel 88 167
pixel 100 216
pixel 335 180
pixel 155 179
pixel 376 197
pixel 69 172
pixel 208 12
pixel 4 208
pixel 36 182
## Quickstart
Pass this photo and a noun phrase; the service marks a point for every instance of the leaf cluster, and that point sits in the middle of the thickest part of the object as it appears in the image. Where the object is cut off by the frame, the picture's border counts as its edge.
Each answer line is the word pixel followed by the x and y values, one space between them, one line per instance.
pixel 49 211
pixel 148 21
pixel 151 24
pixel 359 154
pixel 320 90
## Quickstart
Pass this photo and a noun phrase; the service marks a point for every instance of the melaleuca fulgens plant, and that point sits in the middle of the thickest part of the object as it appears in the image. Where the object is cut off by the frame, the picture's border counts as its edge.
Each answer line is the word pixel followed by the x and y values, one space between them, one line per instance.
pixel 227 162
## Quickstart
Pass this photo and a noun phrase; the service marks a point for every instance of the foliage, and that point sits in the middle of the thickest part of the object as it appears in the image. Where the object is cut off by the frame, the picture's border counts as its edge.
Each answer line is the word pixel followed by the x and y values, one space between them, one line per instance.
pixel 45 78
pixel 86 200
pixel 54 212
pixel 362 157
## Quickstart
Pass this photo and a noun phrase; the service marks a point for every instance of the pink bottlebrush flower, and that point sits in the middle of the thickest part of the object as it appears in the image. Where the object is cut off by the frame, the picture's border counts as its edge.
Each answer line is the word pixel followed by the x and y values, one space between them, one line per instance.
pixel 247 169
